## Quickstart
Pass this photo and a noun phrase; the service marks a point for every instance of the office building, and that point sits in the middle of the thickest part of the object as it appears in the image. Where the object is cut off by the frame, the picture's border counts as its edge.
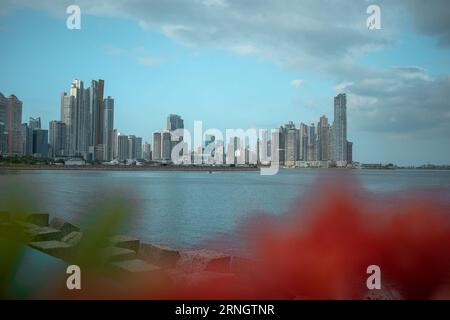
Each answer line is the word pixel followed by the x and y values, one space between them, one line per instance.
pixel 40 143
pixel 58 139
pixel 123 151
pixel 26 135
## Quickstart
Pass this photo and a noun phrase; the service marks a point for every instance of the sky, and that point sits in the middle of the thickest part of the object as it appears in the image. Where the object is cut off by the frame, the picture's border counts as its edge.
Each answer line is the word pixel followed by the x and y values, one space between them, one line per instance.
pixel 243 64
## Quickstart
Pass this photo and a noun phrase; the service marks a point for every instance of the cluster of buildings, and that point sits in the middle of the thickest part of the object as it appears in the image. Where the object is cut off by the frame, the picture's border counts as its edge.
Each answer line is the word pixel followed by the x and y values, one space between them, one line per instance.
pixel 85 131
pixel 17 138
pixel 317 145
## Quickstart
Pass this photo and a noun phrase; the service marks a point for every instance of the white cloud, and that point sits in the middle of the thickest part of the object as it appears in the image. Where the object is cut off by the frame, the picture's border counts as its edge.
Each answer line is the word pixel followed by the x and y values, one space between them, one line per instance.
pixel 138 54
pixel 297 83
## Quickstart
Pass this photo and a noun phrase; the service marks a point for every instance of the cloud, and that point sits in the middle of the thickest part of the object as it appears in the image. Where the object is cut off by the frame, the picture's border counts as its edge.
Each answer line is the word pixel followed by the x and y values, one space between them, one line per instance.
pixel 138 54
pixel 291 33
pixel 297 83
pixel 327 38
pixel 401 101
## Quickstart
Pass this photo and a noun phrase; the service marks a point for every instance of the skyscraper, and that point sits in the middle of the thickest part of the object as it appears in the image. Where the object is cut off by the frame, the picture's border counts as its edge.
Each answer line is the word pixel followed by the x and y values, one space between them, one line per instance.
pixel 115 143
pixel 13 122
pixel 138 148
pixel 40 143
pixel 174 122
pixel 291 144
pixel 26 135
pixel 96 109
pixel 323 129
pixel 147 151
pixel 123 147
pixel 90 121
pixel 58 139
pixel 156 140
pixel 3 139
pixel 340 128
pixel 349 152
pixel 312 143
pixel 304 141
pixel 166 145
pixel 81 132
pixel 108 128
pixel 34 123
pixel 3 106
pixel 68 116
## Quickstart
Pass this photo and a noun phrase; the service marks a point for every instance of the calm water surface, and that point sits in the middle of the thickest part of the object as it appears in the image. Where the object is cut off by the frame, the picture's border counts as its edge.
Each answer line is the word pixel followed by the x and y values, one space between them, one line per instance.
pixel 189 209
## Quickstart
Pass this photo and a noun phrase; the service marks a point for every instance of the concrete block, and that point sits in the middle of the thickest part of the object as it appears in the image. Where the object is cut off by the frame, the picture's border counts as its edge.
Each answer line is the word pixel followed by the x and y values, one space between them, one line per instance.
pixel 126 242
pixel 54 248
pixel 63 226
pixel 42 234
pixel 135 266
pixel 117 254
pixel 159 255
pixel 72 238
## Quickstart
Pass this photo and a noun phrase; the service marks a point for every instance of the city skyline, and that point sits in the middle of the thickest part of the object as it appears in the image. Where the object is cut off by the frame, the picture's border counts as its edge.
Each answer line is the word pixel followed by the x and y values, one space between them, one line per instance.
pixel 159 62
pixel 86 130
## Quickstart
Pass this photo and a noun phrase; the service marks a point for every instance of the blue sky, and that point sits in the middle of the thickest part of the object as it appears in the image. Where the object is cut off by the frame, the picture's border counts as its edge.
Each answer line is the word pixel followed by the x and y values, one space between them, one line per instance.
pixel 238 77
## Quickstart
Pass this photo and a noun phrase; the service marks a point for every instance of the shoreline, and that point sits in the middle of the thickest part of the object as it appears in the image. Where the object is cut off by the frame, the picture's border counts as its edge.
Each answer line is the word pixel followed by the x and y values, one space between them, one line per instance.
pixel 128 168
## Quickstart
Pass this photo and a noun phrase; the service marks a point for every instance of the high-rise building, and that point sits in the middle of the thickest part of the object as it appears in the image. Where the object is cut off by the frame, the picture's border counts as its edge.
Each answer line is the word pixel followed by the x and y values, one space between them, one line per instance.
pixel 174 122
pixel 115 144
pixel 349 152
pixel 138 148
pixel 312 143
pixel 3 107
pixel 166 145
pixel 81 134
pixel 34 123
pixel 13 125
pixel 340 127
pixel 291 144
pixel 277 149
pixel 3 139
pixel 89 119
pixel 323 129
pixel 58 139
pixel 304 141
pixel 131 147
pixel 108 128
pixel 26 135
pixel 156 140
pixel 123 147
pixel 147 151
pixel 330 143
pixel 40 143
pixel 68 116
pixel 96 109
